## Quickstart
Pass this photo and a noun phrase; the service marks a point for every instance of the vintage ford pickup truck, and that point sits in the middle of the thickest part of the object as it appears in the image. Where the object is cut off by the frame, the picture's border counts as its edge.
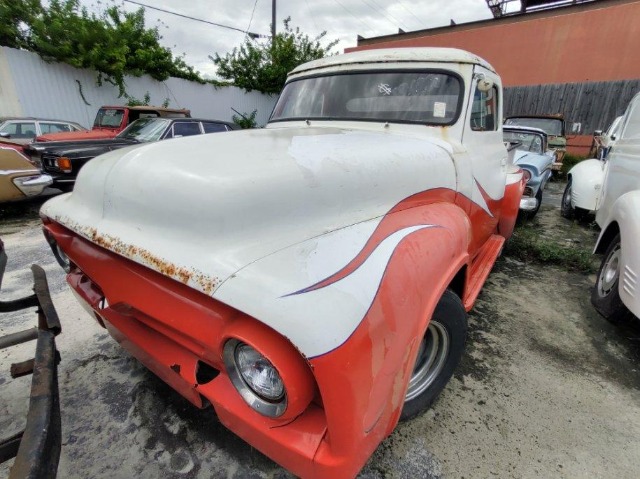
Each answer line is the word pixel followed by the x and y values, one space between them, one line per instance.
pixel 311 279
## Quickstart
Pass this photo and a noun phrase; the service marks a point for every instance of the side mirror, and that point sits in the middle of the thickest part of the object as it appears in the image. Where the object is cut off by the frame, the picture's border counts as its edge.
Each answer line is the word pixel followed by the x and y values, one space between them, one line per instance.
pixel 598 133
pixel 5 135
pixel 484 85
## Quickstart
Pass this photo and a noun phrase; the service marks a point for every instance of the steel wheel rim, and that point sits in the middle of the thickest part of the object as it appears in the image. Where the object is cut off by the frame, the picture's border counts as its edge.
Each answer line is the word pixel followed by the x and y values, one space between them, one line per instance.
pixel 610 272
pixel 432 355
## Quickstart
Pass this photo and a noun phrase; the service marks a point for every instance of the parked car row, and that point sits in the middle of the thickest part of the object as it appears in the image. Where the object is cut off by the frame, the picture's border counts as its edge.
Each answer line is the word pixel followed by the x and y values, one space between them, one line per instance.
pixel 63 160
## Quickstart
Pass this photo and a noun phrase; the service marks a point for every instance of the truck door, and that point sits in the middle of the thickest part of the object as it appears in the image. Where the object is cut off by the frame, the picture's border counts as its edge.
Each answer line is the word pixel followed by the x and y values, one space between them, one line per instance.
pixel 482 137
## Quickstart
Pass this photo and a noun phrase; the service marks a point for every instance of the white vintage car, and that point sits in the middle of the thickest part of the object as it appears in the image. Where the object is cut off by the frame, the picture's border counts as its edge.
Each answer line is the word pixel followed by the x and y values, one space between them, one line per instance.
pixel 584 181
pixel 616 294
pixel 311 279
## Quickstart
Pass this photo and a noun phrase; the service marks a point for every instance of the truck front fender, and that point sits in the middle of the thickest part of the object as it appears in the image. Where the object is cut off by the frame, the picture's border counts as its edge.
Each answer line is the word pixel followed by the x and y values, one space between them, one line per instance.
pixel 624 218
pixel 587 178
pixel 361 325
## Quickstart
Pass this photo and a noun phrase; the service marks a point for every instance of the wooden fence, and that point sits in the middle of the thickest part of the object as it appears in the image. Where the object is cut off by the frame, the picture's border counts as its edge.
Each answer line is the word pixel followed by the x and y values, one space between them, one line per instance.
pixel 594 104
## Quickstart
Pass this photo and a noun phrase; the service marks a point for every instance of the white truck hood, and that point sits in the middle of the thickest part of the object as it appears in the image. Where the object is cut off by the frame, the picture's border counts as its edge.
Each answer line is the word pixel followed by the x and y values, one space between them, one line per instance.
pixel 199 209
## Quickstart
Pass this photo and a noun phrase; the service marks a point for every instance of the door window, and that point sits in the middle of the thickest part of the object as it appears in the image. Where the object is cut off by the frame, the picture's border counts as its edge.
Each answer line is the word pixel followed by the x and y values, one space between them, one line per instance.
pixel 210 127
pixel 53 127
pixel 185 129
pixel 20 130
pixel 485 110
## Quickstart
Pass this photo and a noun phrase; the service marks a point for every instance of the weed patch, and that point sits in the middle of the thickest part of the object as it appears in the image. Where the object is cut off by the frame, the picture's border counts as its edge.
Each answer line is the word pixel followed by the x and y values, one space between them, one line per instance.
pixel 527 244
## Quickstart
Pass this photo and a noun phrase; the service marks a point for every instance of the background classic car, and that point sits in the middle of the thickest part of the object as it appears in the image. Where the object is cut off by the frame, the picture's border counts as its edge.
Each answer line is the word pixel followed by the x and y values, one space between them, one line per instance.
pixel 111 120
pixel 616 295
pixel 63 160
pixel 321 267
pixel 15 132
pixel 534 158
pixel 585 180
pixel 19 178
pixel 555 128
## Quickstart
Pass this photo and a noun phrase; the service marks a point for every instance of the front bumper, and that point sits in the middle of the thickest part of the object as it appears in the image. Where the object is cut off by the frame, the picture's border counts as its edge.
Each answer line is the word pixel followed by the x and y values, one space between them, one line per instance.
pixel 37 448
pixel 32 185
pixel 178 332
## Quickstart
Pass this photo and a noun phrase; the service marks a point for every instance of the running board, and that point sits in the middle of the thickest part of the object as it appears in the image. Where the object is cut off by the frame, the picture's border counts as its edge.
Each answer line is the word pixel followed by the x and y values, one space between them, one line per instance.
pixel 480 268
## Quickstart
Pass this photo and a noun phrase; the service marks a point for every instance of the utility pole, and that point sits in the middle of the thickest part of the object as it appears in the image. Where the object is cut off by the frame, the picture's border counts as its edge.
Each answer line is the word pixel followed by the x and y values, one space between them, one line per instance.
pixel 273 21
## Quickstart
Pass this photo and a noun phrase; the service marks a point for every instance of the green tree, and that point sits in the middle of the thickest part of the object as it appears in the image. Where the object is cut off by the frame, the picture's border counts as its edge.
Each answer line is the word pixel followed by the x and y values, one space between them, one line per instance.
pixel 16 17
pixel 264 66
pixel 115 43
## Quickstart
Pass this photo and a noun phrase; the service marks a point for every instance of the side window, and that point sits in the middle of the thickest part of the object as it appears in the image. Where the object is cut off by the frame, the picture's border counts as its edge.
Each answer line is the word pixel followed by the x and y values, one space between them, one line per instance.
pixel 54 127
pixel 213 127
pixel 185 129
pixel 632 125
pixel 20 130
pixel 484 112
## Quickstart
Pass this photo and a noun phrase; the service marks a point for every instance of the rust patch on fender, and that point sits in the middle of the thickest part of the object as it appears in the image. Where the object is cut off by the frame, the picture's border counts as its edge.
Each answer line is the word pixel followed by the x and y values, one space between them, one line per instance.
pixel 188 276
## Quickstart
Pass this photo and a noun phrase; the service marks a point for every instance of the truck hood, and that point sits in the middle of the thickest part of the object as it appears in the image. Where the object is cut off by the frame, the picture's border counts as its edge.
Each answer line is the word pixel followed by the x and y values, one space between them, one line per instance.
pixel 199 209
pixel 78 135
pixel 80 149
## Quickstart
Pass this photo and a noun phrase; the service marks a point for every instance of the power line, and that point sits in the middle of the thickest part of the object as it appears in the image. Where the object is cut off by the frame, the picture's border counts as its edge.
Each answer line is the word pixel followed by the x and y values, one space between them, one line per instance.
pixel 252 35
pixel 359 19
pixel 382 10
pixel 252 12
pixel 412 14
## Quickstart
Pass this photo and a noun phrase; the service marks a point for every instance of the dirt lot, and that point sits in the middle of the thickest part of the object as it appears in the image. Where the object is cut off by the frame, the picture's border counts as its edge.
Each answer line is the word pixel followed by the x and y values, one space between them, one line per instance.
pixel 546 388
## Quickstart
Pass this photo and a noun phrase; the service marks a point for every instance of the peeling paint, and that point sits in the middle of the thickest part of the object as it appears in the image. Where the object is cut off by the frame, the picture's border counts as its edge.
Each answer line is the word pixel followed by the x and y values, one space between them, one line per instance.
pixel 188 276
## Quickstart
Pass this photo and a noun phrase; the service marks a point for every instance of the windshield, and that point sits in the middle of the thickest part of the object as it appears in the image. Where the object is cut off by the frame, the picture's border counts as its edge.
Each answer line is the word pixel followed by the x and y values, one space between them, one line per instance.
pixel 551 126
pixel 528 141
pixel 145 129
pixel 417 97
pixel 108 118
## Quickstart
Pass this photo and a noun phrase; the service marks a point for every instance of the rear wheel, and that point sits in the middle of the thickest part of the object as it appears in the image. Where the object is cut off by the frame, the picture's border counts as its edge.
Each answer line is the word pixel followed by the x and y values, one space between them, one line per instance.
pixel 566 209
pixel 606 296
pixel 439 354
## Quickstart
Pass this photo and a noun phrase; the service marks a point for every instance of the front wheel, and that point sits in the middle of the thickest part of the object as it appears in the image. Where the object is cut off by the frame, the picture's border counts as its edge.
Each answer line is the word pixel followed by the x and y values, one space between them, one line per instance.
pixel 566 210
pixel 439 354
pixel 606 296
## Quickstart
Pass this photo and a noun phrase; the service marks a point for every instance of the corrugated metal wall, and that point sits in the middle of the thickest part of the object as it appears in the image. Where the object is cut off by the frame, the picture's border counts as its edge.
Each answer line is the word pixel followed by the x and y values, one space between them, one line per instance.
pixel 594 104
pixel 56 90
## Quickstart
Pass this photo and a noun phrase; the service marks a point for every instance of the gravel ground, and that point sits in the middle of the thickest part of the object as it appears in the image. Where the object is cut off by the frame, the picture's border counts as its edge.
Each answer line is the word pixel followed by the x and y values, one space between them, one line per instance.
pixel 546 387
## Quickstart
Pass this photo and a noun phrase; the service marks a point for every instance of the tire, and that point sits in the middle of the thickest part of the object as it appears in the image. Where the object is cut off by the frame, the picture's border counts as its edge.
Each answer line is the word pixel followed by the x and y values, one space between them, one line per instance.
pixel 605 296
pixel 566 210
pixel 439 354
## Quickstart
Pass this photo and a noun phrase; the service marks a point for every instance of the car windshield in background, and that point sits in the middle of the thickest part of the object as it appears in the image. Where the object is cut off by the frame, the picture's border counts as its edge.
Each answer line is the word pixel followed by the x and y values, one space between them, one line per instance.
pixel 145 129
pixel 528 141
pixel 551 126
pixel 415 97
pixel 109 117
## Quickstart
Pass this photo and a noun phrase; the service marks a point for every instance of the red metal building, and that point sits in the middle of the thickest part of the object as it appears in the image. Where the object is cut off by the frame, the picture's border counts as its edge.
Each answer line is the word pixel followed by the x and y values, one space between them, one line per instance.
pixel 593 41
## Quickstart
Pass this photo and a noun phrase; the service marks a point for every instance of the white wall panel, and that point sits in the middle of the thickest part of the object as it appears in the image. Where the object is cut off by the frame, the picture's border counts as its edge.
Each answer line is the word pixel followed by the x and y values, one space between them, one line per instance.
pixel 52 90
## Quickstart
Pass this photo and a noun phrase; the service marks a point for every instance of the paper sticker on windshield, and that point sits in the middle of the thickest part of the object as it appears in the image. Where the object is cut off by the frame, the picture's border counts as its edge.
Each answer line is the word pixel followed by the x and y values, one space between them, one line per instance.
pixel 439 109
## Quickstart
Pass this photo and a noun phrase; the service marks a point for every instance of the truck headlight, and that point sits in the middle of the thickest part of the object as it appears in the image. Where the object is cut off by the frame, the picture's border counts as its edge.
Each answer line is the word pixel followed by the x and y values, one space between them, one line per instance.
pixel 527 175
pixel 255 378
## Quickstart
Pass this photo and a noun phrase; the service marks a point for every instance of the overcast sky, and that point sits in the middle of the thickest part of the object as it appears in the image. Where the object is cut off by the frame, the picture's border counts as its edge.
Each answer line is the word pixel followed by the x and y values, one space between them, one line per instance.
pixel 342 19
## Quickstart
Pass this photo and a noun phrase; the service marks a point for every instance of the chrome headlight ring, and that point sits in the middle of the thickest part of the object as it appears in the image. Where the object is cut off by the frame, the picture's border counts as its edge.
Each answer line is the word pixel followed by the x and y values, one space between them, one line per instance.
pixel 255 378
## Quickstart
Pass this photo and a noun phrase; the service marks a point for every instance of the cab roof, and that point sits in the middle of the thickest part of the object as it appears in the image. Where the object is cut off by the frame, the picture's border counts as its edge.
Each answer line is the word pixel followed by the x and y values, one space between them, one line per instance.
pixel 396 55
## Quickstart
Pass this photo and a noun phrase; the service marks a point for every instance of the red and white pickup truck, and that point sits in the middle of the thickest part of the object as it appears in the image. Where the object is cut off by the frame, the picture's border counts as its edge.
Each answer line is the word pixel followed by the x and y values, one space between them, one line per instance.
pixel 111 120
pixel 310 279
